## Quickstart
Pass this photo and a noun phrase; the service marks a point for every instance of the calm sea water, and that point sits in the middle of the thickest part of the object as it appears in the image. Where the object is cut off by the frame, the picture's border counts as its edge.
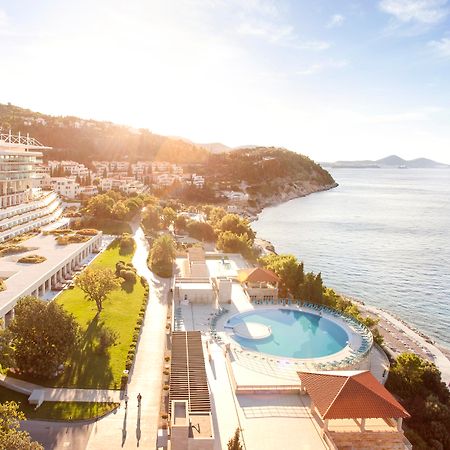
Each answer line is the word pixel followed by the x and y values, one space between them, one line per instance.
pixel 382 236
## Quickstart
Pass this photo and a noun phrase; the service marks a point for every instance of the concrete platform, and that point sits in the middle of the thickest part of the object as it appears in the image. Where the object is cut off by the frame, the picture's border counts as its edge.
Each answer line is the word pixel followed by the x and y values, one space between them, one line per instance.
pixel 252 330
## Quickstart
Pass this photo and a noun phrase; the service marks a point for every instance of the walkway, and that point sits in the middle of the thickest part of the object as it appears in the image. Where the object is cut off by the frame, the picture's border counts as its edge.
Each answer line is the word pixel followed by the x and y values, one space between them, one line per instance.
pixel 139 426
pixel 61 394
pixel 132 427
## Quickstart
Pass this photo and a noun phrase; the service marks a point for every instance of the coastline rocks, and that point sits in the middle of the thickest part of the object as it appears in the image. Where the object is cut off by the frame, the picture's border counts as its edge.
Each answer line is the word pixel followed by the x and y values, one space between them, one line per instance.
pixel 289 192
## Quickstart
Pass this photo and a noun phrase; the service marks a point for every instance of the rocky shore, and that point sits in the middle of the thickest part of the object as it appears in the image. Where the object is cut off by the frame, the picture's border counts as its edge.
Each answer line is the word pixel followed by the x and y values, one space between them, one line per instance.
pixel 289 192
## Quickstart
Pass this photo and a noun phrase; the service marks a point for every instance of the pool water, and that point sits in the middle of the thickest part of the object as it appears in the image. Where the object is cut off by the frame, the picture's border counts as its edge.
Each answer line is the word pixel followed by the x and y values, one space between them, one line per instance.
pixel 295 334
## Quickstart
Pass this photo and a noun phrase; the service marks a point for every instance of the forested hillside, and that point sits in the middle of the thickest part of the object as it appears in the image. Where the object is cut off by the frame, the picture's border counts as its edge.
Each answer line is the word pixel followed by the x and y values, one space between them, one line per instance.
pixel 263 172
pixel 266 169
pixel 85 140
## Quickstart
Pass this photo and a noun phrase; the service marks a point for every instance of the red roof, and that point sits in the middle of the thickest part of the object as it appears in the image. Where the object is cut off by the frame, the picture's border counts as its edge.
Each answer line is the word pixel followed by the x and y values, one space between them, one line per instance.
pixel 257 275
pixel 344 396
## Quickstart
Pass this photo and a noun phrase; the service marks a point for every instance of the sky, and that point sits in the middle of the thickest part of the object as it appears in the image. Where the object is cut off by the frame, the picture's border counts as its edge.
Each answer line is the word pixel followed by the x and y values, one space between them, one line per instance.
pixel 332 79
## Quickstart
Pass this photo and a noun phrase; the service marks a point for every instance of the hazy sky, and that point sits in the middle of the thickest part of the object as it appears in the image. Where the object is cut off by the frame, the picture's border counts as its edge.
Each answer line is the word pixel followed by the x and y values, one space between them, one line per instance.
pixel 334 79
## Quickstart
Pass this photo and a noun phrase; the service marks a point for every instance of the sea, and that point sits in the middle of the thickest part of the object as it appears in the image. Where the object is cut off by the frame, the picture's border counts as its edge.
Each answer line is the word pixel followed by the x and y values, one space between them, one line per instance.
pixel 382 236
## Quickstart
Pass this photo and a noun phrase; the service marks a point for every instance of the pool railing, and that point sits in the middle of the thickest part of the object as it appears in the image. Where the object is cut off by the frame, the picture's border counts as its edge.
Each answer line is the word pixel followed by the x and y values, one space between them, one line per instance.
pixel 354 324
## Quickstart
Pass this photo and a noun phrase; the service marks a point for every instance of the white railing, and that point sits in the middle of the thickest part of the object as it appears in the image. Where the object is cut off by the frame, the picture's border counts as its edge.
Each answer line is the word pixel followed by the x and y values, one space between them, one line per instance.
pixel 19 140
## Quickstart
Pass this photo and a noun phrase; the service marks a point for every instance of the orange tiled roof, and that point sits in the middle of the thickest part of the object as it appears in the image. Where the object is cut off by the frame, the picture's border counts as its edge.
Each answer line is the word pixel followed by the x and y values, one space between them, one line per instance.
pixel 257 275
pixel 344 396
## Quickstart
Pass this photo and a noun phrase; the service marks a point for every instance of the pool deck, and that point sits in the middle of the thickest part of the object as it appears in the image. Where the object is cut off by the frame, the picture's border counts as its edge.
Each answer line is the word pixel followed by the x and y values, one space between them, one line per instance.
pixel 267 421
pixel 250 364
pixel 242 385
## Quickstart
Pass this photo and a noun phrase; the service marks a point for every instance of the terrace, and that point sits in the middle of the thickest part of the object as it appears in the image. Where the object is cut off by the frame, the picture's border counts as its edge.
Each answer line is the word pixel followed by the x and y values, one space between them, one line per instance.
pixel 38 279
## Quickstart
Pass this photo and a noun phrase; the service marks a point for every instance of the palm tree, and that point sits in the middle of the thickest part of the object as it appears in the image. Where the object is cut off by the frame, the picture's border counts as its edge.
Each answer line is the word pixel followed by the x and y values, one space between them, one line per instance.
pixel 162 256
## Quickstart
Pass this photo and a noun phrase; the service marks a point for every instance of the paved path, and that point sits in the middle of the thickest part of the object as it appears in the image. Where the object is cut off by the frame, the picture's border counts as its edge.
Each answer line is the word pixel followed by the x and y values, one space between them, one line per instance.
pixel 61 394
pixel 132 427
pixel 139 426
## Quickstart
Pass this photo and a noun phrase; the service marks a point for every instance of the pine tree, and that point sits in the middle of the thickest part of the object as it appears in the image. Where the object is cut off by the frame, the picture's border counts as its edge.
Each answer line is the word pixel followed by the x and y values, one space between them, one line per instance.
pixel 234 443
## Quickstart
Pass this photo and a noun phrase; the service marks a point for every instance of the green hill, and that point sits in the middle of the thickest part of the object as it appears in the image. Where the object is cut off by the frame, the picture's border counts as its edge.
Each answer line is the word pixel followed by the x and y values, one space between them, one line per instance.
pixel 262 165
pixel 263 172
pixel 86 140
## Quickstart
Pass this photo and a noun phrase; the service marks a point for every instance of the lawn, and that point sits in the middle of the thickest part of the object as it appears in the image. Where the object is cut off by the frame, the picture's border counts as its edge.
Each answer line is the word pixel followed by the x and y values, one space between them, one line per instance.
pixel 57 410
pixel 110 226
pixel 87 368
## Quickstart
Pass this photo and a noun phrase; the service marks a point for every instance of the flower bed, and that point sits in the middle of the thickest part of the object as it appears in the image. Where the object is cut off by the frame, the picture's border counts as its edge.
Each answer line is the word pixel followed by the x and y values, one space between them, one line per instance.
pixel 12 249
pixel 71 239
pixel 137 330
pixel 32 259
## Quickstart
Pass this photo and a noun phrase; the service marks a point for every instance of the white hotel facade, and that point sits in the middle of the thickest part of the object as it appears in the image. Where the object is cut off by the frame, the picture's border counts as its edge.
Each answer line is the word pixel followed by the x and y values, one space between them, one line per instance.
pixel 22 209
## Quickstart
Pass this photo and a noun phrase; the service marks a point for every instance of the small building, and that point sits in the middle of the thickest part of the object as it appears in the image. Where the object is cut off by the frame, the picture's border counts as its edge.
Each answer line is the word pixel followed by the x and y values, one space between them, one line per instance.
pixel 88 191
pixel 259 283
pixel 355 411
pixel 64 186
pixel 191 425
pixel 196 261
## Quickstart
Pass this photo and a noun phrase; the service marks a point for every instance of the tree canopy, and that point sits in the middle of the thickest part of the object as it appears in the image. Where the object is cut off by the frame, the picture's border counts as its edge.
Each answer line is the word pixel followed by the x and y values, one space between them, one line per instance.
pixel 42 335
pixel 202 231
pixel 230 242
pixel 418 385
pixel 162 255
pixel 289 269
pixel 237 225
pixel 235 442
pixel 11 436
pixel 97 284
pixel 151 218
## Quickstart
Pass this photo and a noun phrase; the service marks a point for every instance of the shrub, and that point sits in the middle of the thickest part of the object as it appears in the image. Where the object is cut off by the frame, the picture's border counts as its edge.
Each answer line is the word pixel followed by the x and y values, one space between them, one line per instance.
pixel 107 338
pixel 121 265
pixel 71 239
pixel 202 231
pixel 87 232
pixel 127 244
pixel 128 275
pixel 8 249
pixel 166 387
pixel 123 382
pixel 58 232
pixel 32 259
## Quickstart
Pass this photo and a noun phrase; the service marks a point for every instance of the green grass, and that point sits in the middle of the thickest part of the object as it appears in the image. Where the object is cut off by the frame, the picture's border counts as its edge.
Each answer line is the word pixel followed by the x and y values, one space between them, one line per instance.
pixel 57 410
pixel 87 368
pixel 109 226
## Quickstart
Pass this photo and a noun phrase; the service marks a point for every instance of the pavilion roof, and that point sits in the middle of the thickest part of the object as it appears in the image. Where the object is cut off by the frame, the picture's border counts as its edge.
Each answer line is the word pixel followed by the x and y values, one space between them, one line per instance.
pixel 257 275
pixel 350 395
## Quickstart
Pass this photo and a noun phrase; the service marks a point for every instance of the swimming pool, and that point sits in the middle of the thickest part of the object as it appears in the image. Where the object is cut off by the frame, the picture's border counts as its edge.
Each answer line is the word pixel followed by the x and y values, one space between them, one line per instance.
pixel 294 334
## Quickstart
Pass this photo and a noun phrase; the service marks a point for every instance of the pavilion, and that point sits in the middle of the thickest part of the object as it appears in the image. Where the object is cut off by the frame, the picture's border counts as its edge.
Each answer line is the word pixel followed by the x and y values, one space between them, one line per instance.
pixel 259 283
pixel 355 411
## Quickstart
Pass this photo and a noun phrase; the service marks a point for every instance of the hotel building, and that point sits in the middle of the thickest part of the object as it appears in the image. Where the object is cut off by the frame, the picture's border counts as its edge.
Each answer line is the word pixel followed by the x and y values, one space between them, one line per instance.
pixel 23 209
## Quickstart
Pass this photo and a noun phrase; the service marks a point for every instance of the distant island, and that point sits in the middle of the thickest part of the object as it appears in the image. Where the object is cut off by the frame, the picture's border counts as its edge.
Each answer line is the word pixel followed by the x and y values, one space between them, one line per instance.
pixel 389 162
